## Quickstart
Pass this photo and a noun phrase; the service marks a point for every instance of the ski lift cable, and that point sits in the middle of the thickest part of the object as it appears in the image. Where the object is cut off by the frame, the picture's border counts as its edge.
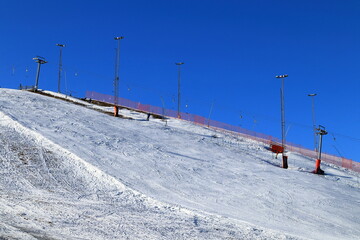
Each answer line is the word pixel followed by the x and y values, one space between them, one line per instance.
pixel 347 137
pixel 337 147
pixel 287 130
pixel 341 155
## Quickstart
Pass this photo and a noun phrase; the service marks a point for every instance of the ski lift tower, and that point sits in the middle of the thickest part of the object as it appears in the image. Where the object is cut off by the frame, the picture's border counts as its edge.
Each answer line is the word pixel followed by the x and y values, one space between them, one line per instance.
pixel 39 60
pixel 320 131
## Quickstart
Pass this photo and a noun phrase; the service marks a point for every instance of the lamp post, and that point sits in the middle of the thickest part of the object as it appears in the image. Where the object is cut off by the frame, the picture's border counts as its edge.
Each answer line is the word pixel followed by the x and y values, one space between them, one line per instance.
pixel 179 82
pixel 60 64
pixel 312 95
pixel 116 79
pixel 39 61
pixel 285 163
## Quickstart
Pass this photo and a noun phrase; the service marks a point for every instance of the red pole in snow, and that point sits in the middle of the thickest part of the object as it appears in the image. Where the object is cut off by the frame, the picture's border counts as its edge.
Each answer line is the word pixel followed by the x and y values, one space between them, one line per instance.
pixel 116 111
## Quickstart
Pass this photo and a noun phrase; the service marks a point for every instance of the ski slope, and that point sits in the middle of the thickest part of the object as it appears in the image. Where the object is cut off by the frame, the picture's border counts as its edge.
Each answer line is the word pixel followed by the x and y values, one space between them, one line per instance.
pixel 70 172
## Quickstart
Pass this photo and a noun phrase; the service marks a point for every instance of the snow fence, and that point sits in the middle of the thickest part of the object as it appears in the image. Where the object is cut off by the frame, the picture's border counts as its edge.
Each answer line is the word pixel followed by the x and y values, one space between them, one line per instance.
pixel 137 106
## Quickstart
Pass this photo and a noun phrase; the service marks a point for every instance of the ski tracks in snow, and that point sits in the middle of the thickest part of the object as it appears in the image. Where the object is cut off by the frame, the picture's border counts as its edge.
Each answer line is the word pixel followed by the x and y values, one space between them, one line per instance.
pixel 106 178
pixel 48 192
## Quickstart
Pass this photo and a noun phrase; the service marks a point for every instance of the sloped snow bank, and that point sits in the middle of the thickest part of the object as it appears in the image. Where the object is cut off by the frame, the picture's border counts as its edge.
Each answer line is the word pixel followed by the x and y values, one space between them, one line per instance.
pixel 48 192
pixel 224 180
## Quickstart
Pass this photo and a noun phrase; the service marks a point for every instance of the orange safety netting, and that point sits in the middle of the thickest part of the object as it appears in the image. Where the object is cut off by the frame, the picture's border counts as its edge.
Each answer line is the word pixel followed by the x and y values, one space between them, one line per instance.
pixel 336 160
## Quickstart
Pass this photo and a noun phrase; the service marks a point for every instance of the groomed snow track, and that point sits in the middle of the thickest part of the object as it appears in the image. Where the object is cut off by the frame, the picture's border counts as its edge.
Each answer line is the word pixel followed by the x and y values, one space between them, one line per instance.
pixel 72 173
pixel 48 192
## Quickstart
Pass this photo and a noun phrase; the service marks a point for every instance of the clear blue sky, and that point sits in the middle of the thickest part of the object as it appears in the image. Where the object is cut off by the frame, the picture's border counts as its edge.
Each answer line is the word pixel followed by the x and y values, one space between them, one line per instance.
pixel 232 51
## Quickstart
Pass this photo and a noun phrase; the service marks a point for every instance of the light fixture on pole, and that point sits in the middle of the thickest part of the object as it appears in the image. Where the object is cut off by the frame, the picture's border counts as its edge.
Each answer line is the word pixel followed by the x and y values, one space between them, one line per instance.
pixel 283 141
pixel 117 78
pixel 320 131
pixel 60 65
pixel 39 61
pixel 312 95
pixel 179 89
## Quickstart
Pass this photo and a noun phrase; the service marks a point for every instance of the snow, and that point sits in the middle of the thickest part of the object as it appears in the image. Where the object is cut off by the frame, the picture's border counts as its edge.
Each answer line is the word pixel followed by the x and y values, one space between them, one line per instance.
pixel 69 172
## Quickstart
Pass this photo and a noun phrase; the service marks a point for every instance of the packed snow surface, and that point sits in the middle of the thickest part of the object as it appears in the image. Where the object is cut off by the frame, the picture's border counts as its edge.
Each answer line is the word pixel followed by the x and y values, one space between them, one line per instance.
pixel 71 172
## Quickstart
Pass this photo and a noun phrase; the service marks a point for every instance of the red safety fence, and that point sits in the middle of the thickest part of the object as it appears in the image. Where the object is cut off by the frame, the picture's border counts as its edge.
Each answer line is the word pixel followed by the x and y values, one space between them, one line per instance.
pixel 267 139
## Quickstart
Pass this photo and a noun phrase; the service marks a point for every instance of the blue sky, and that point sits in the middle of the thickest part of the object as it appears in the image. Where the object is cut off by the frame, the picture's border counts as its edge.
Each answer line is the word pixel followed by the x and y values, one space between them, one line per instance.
pixel 232 51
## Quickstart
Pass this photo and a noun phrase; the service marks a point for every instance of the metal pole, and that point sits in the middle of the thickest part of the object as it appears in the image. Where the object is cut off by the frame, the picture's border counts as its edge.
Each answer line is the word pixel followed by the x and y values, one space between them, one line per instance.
pixel 179 89
pixel 320 146
pixel 117 78
pixel 283 140
pixel 163 107
pixel 313 118
pixel 282 114
pixel 37 75
pixel 60 65
pixel 117 65
pixel 39 61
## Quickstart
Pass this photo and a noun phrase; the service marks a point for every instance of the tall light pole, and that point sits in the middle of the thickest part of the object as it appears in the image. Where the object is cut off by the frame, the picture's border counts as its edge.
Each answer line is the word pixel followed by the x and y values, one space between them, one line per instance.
pixel 285 164
pixel 312 95
pixel 116 79
pixel 179 82
pixel 60 65
pixel 39 61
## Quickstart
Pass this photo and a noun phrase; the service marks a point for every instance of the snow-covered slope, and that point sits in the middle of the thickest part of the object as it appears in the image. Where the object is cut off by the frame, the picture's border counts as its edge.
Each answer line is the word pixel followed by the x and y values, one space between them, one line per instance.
pixel 69 172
